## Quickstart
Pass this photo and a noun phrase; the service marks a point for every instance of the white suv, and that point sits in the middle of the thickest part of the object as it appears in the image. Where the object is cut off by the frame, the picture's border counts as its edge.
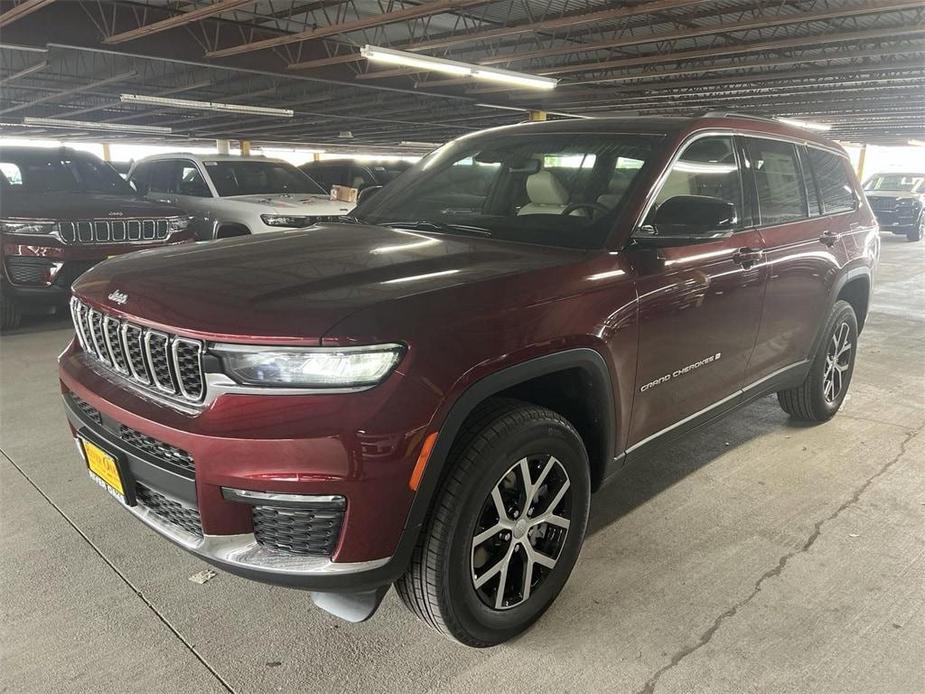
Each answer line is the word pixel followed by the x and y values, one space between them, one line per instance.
pixel 236 195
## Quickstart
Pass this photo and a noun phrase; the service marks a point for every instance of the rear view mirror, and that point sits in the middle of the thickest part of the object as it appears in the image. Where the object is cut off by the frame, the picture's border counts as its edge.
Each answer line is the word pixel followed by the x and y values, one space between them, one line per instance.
pixel 694 215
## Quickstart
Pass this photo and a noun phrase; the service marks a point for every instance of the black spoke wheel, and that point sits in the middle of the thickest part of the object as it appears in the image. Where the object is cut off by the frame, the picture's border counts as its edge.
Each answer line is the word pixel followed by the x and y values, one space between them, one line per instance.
pixel 824 389
pixel 506 527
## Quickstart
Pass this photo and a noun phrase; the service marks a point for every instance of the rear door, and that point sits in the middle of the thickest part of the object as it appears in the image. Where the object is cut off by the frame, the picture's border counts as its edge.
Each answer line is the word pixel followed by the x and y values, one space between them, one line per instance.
pixel 803 252
pixel 699 302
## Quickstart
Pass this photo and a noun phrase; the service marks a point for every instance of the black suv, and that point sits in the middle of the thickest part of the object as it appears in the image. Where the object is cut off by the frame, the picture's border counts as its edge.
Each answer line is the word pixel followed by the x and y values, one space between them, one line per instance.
pixel 898 201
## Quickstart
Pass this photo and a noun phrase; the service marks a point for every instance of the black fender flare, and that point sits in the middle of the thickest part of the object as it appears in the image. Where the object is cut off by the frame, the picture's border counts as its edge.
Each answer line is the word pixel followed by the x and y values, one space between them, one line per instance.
pixel 585 358
pixel 847 276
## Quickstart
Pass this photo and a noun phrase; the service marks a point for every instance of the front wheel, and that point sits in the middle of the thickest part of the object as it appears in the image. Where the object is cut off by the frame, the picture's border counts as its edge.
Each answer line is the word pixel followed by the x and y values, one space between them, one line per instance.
pixel 915 234
pixel 506 527
pixel 824 389
pixel 10 315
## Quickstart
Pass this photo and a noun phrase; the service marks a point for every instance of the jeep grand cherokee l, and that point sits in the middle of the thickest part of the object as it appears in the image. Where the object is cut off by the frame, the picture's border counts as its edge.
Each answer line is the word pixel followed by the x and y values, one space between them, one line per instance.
pixel 427 397
pixel 898 201
pixel 62 211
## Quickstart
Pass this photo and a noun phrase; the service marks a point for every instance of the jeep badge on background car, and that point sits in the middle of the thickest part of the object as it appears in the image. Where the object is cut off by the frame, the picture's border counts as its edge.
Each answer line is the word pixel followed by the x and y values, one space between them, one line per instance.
pixel 427 397
pixel 236 195
pixel 61 212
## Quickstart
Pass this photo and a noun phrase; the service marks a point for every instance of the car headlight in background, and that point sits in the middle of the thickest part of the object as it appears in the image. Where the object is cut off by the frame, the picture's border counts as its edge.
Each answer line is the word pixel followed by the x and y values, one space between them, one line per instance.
pixel 178 223
pixel 285 220
pixel 309 367
pixel 27 226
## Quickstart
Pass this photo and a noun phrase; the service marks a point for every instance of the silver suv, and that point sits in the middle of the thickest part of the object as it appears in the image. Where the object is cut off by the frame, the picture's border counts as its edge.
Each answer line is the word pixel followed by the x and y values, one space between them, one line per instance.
pixel 236 195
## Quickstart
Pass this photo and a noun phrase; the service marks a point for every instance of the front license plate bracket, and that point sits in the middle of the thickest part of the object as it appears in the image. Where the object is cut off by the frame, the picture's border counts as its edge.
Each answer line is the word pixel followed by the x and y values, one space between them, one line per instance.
pixel 117 457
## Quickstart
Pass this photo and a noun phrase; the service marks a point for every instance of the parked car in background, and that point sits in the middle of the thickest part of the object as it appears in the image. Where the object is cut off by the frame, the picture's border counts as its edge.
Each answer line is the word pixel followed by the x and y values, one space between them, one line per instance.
pixel 898 201
pixel 61 212
pixel 427 397
pixel 236 196
pixel 353 173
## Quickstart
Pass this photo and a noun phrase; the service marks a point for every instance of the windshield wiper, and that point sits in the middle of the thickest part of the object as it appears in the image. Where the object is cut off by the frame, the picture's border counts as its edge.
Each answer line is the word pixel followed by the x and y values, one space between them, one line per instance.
pixel 427 225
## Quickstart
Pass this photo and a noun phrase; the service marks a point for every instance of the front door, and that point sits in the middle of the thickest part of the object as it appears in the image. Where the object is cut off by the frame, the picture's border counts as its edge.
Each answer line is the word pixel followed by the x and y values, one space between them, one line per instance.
pixel 700 301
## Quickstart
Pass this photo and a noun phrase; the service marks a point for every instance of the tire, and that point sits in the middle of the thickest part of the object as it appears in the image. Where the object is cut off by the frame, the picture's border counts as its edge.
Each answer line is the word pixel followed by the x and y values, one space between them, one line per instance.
pixel 230 231
pixel 824 389
pixel 10 314
pixel 488 457
pixel 915 234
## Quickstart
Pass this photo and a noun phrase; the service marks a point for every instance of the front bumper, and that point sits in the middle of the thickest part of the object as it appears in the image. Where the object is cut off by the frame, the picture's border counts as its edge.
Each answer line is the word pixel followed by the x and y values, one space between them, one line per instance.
pixel 369 551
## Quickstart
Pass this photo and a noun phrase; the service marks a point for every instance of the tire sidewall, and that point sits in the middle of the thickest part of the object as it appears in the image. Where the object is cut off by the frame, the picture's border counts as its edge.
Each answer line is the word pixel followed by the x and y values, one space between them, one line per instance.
pixel 487 625
pixel 841 313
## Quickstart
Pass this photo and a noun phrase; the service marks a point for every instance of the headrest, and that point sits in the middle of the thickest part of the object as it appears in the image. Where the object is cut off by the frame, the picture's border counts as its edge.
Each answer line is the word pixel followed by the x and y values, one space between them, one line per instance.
pixel 543 188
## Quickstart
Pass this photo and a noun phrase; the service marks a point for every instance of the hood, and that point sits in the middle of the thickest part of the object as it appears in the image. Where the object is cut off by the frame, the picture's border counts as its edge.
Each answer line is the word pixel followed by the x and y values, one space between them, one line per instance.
pixel 284 203
pixel 296 285
pixel 82 206
pixel 894 195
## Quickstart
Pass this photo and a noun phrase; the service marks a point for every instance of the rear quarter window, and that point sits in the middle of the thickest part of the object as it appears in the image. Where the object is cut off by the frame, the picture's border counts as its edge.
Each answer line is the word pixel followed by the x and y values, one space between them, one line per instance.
pixel 833 179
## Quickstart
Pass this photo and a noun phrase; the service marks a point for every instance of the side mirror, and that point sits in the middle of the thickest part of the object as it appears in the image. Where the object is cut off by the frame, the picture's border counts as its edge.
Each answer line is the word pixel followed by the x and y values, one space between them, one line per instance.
pixel 694 215
pixel 367 193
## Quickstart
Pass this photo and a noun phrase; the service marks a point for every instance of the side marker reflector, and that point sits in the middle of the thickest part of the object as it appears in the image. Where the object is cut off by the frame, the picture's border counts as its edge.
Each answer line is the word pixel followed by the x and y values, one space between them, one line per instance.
pixel 419 466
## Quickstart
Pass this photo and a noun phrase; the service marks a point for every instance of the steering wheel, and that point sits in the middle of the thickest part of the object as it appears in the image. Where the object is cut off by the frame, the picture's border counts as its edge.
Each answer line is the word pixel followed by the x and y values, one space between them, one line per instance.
pixel 594 206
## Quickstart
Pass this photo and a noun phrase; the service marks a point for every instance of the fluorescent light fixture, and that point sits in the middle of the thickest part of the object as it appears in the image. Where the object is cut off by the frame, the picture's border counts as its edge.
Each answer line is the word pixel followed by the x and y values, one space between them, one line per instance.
pixel 528 110
pixel 453 67
pixel 917 143
pixel 413 143
pixel 90 125
pixel 807 125
pixel 205 105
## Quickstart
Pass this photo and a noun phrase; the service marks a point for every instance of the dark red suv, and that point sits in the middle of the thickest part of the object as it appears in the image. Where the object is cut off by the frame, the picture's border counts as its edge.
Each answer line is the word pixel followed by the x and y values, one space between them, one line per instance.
pixel 61 212
pixel 428 393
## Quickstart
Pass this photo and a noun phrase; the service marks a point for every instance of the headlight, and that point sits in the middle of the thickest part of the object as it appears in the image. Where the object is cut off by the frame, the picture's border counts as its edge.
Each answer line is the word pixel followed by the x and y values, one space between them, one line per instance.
pixel 285 220
pixel 178 223
pixel 310 367
pixel 27 226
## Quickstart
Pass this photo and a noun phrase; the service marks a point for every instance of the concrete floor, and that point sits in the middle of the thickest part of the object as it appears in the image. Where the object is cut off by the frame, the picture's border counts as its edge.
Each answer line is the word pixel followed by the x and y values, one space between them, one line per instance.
pixel 756 556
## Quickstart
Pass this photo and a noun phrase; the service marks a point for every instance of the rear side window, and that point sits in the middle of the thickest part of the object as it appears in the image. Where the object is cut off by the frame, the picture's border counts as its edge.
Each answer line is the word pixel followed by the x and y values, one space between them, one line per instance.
pixel 778 181
pixel 833 179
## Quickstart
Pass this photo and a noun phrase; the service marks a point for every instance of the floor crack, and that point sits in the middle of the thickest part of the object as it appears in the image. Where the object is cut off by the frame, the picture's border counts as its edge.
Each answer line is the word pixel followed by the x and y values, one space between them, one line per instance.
pixel 122 576
pixel 706 636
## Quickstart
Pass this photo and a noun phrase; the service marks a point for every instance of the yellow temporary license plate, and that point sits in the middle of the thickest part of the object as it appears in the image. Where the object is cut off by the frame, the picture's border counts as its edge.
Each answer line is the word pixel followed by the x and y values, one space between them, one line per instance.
pixel 103 466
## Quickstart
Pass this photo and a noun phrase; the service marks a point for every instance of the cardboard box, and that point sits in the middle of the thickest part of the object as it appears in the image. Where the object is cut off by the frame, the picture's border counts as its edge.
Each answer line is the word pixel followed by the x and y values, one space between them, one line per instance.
pixel 344 193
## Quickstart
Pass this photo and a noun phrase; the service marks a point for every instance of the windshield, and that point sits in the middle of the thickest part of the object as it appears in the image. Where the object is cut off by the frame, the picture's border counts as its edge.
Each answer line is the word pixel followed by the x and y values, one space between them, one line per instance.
pixel 902 183
pixel 57 172
pixel 259 178
pixel 562 189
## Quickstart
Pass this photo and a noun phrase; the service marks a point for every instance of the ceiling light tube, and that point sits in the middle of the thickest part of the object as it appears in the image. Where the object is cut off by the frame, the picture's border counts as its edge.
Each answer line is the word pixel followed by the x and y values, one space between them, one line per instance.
pixel 453 67
pixel 90 125
pixel 205 105
pixel 917 143
pixel 805 124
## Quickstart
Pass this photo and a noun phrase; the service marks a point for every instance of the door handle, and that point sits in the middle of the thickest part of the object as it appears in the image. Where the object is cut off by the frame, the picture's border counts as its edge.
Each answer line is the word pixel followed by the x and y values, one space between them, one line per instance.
pixel 746 257
pixel 829 239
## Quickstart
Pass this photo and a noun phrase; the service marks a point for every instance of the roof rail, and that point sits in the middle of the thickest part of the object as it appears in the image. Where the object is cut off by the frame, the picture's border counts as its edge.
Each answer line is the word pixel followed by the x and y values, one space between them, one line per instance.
pixel 735 114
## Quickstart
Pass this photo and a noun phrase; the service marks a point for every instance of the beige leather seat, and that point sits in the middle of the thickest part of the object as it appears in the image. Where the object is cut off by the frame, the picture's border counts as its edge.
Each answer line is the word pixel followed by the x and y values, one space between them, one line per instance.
pixel 615 191
pixel 547 194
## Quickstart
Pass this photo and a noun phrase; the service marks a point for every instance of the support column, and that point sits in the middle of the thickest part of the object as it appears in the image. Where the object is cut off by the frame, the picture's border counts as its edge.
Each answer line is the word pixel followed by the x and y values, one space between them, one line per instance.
pixel 245 148
pixel 861 161
pixel 316 156
pixel 223 146
pixel 537 115
pixel 107 154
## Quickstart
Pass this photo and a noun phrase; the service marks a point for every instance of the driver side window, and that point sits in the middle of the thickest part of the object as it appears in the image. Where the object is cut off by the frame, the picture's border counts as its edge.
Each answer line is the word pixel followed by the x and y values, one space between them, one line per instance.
pixel 702 195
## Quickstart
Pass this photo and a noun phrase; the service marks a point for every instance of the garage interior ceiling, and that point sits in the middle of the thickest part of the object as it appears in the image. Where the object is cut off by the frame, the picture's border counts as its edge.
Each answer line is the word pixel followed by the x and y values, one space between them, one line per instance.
pixel 857 65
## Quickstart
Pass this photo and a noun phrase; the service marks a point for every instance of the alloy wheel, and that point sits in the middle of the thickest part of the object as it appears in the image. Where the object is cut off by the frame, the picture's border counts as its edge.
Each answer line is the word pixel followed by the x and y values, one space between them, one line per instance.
pixel 520 531
pixel 837 363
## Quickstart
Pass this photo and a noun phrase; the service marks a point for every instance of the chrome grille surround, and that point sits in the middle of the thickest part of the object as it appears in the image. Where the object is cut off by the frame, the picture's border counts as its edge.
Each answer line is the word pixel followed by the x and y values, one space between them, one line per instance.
pixel 113 230
pixel 167 365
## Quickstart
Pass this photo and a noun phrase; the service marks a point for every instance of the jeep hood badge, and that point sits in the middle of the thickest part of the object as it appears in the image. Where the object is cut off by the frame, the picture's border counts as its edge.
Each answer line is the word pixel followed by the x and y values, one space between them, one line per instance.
pixel 118 297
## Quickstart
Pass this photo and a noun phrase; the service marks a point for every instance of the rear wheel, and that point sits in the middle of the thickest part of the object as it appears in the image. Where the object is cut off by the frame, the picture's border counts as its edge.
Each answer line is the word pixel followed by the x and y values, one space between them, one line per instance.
pixel 10 314
pixel 506 528
pixel 821 394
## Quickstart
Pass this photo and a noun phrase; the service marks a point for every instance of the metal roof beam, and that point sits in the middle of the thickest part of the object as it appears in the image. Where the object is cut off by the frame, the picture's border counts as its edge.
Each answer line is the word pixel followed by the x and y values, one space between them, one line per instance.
pixel 766 22
pixel 176 21
pixel 403 15
pixel 76 90
pixel 21 10
pixel 24 72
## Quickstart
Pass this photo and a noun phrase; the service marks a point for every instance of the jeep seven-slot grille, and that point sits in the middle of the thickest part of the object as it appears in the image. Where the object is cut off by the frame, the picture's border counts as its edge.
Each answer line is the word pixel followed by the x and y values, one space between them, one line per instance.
pixel 167 364
pixel 299 531
pixel 114 231
pixel 169 510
